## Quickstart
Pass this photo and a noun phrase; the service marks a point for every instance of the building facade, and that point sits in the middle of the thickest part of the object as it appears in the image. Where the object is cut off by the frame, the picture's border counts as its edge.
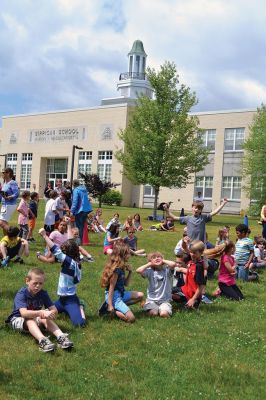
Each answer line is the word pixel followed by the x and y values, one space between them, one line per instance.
pixel 40 147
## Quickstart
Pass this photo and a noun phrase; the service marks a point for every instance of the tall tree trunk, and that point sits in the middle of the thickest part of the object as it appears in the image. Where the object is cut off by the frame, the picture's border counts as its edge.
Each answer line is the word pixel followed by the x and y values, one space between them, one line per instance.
pixel 157 190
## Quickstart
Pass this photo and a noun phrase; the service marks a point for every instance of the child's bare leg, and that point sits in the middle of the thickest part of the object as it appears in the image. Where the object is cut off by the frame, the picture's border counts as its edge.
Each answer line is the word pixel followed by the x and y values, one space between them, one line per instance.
pixel 34 329
pixel 153 313
pixel 24 249
pixel 140 252
pixel 128 317
pixel 4 225
pixel 164 314
pixel 3 250
pixel 82 311
pixel 52 327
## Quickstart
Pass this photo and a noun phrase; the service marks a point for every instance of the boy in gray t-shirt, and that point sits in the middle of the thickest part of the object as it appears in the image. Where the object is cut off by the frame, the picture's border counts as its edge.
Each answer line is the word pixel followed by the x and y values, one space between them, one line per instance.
pixel 196 223
pixel 159 272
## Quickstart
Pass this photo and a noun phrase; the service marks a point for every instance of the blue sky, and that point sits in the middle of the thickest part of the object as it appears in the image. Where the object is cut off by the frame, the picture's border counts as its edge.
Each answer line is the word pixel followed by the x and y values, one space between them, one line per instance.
pixel 60 54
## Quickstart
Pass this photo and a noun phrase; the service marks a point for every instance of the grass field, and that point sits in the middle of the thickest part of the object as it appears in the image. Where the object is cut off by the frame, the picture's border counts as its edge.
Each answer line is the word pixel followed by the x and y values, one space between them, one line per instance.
pixel 217 352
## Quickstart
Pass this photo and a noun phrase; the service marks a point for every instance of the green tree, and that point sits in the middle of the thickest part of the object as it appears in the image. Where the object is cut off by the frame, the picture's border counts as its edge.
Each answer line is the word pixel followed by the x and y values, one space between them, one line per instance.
pixel 96 186
pixel 254 166
pixel 162 147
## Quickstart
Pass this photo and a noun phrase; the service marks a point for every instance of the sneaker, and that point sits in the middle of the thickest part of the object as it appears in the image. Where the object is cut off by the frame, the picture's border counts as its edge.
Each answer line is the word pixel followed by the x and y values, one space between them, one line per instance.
pixel 88 259
pixel 5 261
pixel 19 260
pixel 45 345
pixel 64 342
pixel 206 299
pixel 103 310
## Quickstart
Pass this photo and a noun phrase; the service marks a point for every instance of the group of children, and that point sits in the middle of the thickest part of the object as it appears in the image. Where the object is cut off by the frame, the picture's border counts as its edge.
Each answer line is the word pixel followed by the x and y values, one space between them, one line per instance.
pixel 33 307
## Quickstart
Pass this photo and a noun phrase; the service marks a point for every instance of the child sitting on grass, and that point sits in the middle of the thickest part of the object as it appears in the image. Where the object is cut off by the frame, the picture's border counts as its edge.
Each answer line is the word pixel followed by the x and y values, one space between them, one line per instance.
pixel 34 309
pixel 114 281
pixel 191 293
pixel 12 246
pixel 159 273
pixel 70 276
pixel 227 273
pixel 259 260
pixel 131 240
pixel 244 252
pixel 111 236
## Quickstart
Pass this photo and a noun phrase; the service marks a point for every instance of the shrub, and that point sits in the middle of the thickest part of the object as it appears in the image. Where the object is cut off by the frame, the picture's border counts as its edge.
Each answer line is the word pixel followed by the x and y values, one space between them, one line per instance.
pixel 112 197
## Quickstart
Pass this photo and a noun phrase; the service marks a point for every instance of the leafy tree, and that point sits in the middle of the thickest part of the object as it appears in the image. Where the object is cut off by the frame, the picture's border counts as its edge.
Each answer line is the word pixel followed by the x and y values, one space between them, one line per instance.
pixel 161 144
pixel 96 186
pixel 112 197
pixel 254 166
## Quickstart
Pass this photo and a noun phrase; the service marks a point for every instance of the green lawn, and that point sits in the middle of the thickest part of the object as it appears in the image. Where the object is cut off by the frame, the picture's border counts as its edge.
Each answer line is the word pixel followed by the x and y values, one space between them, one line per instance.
pixel 217 352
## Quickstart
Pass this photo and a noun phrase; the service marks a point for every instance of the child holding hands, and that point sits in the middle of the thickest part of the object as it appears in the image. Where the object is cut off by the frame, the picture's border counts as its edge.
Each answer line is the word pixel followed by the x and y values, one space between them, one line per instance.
pixel 159 272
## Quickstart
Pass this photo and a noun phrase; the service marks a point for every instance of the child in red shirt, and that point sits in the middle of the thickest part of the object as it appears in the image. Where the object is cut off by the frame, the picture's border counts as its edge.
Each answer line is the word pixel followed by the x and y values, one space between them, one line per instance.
pixel 191 292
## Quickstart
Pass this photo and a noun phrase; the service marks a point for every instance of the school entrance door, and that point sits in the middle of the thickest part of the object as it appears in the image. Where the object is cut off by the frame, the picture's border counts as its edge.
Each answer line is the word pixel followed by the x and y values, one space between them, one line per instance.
pixel 56 168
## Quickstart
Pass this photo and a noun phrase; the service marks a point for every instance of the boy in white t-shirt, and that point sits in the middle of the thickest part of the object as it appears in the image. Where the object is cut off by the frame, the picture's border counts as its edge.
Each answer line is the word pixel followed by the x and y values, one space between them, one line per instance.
pixel 50 213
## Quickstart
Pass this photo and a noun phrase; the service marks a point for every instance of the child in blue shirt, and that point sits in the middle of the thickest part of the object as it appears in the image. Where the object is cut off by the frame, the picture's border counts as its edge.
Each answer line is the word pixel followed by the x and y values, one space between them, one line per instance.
pixel 34 309
pixel 70 276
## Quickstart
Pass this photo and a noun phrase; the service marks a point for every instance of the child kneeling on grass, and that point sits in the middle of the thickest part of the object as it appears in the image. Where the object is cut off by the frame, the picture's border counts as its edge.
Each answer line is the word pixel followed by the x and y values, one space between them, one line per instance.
pixel 159 272
pixel 114 281
pixel 34 309
pixel 70 276
pixel 191 292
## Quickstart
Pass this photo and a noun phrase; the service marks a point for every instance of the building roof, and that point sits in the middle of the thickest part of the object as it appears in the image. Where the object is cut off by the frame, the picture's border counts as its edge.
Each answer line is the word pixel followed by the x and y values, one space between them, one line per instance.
pixel 137 48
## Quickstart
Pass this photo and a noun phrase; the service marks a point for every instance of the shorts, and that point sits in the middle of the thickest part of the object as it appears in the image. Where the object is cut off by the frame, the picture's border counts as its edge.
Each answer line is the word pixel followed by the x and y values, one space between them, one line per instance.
pixel 105 248
pixel 7 211
pixel 157 306
pixel 17 324
pixel 13 251
pixel 32 223
pixel 120 300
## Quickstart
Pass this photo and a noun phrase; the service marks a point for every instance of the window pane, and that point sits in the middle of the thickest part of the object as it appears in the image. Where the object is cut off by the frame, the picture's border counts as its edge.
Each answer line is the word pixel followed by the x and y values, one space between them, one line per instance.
pixel 208 193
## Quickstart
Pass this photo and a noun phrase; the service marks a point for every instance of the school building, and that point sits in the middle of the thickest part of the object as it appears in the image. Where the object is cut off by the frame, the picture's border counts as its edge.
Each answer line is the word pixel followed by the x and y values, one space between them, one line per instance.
pixel 46 146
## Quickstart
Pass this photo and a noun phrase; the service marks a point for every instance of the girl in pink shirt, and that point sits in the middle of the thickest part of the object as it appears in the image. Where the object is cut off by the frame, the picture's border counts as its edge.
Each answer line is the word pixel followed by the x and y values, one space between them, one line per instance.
pixel 226 277
pixel 23 218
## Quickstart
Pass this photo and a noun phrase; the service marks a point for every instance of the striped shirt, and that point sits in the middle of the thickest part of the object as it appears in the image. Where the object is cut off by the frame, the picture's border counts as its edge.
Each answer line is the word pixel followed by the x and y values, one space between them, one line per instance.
pixel 70 273
pixel 244 247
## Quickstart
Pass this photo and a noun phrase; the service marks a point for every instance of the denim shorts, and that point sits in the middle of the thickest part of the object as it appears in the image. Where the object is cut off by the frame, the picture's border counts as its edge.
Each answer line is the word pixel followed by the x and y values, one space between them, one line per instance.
pixel 120 300
pixel 242 272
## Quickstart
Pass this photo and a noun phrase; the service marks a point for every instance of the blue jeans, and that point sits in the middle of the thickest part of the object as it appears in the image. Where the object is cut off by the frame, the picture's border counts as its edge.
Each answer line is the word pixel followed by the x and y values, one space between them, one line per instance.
pixel 80 220
pixel 71 306
pixel 242 272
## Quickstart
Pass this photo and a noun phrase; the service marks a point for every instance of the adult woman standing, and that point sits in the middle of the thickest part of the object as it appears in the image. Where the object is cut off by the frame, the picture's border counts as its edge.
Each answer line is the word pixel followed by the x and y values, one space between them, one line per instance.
pixel 263 220
pixel 9 193
pixel 48 189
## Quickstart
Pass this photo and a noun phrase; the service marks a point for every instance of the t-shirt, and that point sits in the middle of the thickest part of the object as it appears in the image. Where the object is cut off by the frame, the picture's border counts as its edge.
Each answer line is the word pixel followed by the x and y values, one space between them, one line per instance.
pixel 24 299
pixel 23 215
pixel 194 278
pixel 243 248
pixel 10 242
pixel 258 253
pixel 196 226
pixel 49 217
pixel 224 275
pixel 33 206
pixel 179 247
pixel 131 242
pixel 160 284
pixel 120 283
pixel 60 205
pixel 58 238
pixel 70 273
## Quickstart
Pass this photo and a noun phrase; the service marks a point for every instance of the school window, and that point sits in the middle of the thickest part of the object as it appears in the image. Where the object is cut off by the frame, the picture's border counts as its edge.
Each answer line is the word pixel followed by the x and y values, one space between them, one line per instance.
pixel 208 138
pixel 11 161
pixel 105 165
pixel 149 191
pixel 234 139
pixel 26 169
pixel 204 184
pixel 85 159
pixel 231 188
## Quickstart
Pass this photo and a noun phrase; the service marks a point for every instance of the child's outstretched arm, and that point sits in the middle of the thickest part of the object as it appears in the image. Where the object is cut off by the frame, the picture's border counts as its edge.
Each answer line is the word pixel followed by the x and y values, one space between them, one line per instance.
pixel 170 214
pixel 218 209
pixel 141 269
pixel 48 241
pixel 129 269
